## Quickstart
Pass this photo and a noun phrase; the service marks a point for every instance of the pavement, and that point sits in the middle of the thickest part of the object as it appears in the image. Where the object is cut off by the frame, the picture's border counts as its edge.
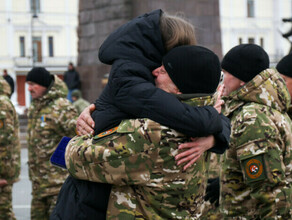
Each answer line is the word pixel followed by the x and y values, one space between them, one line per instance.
pixel 21 192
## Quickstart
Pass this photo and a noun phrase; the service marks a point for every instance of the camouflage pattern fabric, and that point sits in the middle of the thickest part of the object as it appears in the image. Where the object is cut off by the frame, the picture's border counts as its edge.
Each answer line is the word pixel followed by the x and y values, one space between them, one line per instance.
pixel 137 157
pixel 9 149
pixel 257 168
pixel 211 211
pixel 49 119
pixel 6 211
pixel 43 207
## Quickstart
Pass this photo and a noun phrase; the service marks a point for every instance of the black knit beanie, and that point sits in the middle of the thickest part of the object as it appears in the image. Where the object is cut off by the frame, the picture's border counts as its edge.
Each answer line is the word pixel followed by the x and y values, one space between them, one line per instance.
pixel 193 69
pixel 245 61
pixel 40 76
pixel 285 65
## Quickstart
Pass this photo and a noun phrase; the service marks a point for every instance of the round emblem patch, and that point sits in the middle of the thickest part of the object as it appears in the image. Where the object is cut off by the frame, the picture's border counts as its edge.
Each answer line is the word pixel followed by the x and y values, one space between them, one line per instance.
pixel 254 168
pixel 1 124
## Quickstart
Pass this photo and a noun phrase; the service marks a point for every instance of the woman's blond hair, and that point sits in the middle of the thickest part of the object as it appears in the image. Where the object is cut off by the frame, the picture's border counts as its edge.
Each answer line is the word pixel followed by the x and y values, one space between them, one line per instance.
pixel 176 31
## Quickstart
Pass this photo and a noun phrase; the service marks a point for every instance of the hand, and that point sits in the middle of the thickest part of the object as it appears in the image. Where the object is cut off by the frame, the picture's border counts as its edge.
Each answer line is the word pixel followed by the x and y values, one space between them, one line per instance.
pixel 219 102
pixel 3 182
pixel 195 149
pixel 85 123
pixel 213 191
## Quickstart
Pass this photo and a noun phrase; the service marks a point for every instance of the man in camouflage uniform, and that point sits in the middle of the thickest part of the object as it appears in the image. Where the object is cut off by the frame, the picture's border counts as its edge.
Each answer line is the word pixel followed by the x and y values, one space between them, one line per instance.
pixel 79 103
pixel 137 156
pixel 50 117
pixel 284 67
pixel 257 168
pixel 9 150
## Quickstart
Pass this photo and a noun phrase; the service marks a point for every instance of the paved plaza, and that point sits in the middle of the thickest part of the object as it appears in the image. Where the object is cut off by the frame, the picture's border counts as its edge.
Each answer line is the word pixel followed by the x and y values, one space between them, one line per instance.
pixel 22 190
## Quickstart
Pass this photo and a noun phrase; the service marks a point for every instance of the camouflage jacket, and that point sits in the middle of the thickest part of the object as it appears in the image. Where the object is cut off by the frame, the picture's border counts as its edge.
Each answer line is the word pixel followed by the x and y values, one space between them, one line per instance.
pixel 9 139
pixel 49 119
pixel 257 168
pixel 137 157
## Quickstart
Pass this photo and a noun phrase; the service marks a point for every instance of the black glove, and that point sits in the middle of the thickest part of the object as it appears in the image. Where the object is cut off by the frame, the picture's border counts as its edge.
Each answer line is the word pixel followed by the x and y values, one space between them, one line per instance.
pixel 213 191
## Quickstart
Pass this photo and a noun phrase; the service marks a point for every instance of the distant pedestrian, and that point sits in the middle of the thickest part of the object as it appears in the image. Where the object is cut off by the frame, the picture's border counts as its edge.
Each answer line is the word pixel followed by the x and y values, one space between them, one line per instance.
pixel 50 117
pixel 9 150
pixel 79 103
pixel 9 79
pixel 72 80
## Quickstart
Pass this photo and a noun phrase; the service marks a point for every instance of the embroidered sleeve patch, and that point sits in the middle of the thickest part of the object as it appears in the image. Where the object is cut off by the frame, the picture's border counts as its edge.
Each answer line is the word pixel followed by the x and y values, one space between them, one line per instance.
pixel 2 124
pixel 106 133
pixel 254 169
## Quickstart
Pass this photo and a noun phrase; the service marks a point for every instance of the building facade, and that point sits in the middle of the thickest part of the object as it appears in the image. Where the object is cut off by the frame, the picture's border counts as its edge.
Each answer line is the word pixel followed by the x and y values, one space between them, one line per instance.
pixel 44 33
pixel 36 33
pixel 256 21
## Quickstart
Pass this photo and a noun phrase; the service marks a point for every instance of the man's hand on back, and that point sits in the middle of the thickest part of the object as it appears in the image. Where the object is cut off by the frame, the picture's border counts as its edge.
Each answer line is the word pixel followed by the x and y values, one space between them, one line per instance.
pixel 85 123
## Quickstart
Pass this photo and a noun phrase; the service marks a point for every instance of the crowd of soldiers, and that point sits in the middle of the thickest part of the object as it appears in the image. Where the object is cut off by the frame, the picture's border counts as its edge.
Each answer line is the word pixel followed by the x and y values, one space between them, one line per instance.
pixel 144 160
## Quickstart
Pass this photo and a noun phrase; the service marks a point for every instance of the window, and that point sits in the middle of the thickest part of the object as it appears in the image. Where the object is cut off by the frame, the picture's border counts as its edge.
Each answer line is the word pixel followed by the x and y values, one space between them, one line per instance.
pixel 250 8
pixel 251 40
pixel 35 6
pixel 22 46
pixel 240 40
pixel 37 49
pixel 51 46
pixel 262 42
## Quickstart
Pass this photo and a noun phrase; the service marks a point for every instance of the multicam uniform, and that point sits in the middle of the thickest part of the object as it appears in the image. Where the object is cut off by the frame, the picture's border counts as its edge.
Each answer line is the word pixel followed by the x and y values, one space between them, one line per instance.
pixel 49 119
pixel 9 150
pixel 137 157
pixel 257 168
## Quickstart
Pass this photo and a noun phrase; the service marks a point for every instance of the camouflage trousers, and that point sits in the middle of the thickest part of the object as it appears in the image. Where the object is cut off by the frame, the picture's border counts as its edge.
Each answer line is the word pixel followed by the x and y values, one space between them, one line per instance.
pixel 6 211
pixel 211 212
pixel 42 207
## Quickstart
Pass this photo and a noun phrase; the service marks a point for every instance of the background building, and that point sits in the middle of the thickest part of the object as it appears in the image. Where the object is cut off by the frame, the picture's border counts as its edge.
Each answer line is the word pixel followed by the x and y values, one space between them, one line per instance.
pixel 256 21
pixel 45 33
pixel 36 33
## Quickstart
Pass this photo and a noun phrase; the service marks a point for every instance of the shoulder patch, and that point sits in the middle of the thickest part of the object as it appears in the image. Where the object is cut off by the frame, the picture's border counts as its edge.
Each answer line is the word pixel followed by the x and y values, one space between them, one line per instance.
pixel 254 169
pixel 2 124
pixel 106 133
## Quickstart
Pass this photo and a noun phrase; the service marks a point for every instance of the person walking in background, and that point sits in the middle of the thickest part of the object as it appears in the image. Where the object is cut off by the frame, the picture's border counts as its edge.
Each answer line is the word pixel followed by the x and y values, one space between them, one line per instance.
pixel 284 67
pixel 9 79
pixel 72 80
pixel 257 167
pixel 9 150
pixel 50 117
pixel 79 103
